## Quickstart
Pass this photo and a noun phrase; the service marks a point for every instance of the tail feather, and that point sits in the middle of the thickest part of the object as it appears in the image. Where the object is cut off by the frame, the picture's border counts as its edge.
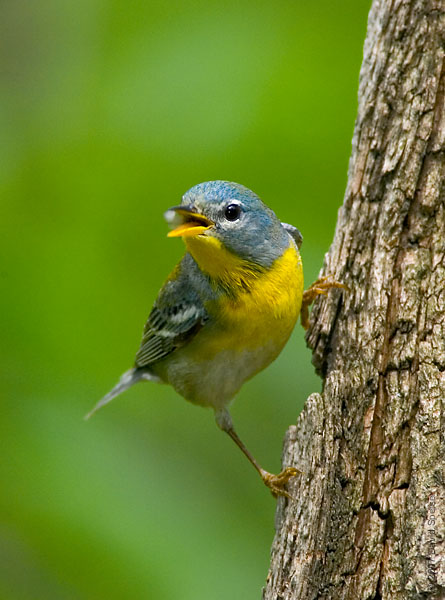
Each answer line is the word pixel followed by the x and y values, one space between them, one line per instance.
pixel 128 379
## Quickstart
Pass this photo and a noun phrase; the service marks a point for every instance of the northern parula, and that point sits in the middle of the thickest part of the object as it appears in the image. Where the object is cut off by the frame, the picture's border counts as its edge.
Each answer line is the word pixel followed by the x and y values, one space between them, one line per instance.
pixel 229 306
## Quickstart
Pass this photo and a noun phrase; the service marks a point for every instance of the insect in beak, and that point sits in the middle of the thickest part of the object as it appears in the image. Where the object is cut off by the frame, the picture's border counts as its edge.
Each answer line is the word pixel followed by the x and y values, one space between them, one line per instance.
pixel 186 221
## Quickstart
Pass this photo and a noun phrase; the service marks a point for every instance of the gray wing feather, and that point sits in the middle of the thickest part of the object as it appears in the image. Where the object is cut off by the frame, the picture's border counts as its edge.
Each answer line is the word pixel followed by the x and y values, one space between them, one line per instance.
pixel 176 317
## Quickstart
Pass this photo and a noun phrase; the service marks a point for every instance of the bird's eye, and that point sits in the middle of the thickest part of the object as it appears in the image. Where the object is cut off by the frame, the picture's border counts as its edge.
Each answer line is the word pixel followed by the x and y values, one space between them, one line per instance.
pixel 232 212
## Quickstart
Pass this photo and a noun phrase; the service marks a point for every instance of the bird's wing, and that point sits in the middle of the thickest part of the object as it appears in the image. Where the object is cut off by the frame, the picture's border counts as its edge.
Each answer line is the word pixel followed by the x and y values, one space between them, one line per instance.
pixel 294 233
pixel 176 317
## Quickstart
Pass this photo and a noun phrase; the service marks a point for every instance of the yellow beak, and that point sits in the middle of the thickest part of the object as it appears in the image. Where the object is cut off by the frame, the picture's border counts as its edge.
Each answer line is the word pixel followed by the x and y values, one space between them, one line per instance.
pixel 187 221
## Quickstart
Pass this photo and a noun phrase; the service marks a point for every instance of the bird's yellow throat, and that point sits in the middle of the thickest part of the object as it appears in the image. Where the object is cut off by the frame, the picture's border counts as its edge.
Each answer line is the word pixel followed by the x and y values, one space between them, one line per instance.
pixel 221 264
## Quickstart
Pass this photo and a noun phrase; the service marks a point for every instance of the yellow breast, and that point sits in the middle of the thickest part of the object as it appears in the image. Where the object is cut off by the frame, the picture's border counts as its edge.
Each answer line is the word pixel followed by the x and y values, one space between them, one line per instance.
pixel 264 306
pixel 268 311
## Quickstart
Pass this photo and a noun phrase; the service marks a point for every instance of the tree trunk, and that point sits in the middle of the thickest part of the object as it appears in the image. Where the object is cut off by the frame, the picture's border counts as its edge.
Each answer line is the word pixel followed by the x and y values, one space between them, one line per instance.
pixel 368 515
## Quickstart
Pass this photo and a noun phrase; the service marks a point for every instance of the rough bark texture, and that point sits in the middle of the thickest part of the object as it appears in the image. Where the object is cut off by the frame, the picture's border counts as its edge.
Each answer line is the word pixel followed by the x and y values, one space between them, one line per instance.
pixel 368 518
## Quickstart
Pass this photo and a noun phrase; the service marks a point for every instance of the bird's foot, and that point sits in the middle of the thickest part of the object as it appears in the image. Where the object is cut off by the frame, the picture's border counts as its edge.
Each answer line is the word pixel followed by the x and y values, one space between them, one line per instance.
pixel 319 287
pixel 276 483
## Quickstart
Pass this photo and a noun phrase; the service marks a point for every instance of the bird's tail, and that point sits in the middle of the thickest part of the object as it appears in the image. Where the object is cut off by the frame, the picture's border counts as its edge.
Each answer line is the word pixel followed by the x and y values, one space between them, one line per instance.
pixel 128 379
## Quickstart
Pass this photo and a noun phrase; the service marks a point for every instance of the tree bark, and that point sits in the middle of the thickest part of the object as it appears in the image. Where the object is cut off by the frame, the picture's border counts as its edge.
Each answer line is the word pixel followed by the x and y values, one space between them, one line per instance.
pixel 368 516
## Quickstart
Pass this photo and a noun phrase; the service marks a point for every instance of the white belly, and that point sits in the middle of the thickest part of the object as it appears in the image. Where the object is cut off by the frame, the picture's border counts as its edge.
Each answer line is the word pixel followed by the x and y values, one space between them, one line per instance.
pixel 215 381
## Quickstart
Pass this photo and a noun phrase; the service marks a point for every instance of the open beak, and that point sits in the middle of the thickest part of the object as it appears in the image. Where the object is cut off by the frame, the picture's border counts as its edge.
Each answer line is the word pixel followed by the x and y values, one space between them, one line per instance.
pixel 186 221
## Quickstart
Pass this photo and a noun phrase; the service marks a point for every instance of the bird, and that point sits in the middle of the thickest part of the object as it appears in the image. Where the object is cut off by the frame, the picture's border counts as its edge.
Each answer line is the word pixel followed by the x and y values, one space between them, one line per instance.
pixel 229 306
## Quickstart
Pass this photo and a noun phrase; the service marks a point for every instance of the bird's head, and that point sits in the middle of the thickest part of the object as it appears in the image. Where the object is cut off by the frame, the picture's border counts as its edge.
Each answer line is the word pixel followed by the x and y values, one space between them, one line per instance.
pixel 229 214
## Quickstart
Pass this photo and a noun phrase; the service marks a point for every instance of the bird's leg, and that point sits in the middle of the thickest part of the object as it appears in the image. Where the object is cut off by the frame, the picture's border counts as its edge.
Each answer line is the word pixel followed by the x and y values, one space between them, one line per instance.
pixel 321 286
pixel 276 483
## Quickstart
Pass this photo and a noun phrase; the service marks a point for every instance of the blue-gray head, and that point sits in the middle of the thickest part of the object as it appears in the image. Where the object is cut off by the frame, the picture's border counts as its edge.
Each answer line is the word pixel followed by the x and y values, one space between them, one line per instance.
pixel 235 216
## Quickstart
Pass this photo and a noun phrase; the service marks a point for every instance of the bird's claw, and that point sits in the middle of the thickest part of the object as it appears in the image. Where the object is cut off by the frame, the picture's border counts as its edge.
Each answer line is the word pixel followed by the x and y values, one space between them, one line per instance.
pixel 320 287
pixel 276 483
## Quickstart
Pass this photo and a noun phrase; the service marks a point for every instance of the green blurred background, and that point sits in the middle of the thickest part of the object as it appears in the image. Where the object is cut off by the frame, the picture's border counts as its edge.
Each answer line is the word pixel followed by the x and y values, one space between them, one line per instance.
pixel 110 111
